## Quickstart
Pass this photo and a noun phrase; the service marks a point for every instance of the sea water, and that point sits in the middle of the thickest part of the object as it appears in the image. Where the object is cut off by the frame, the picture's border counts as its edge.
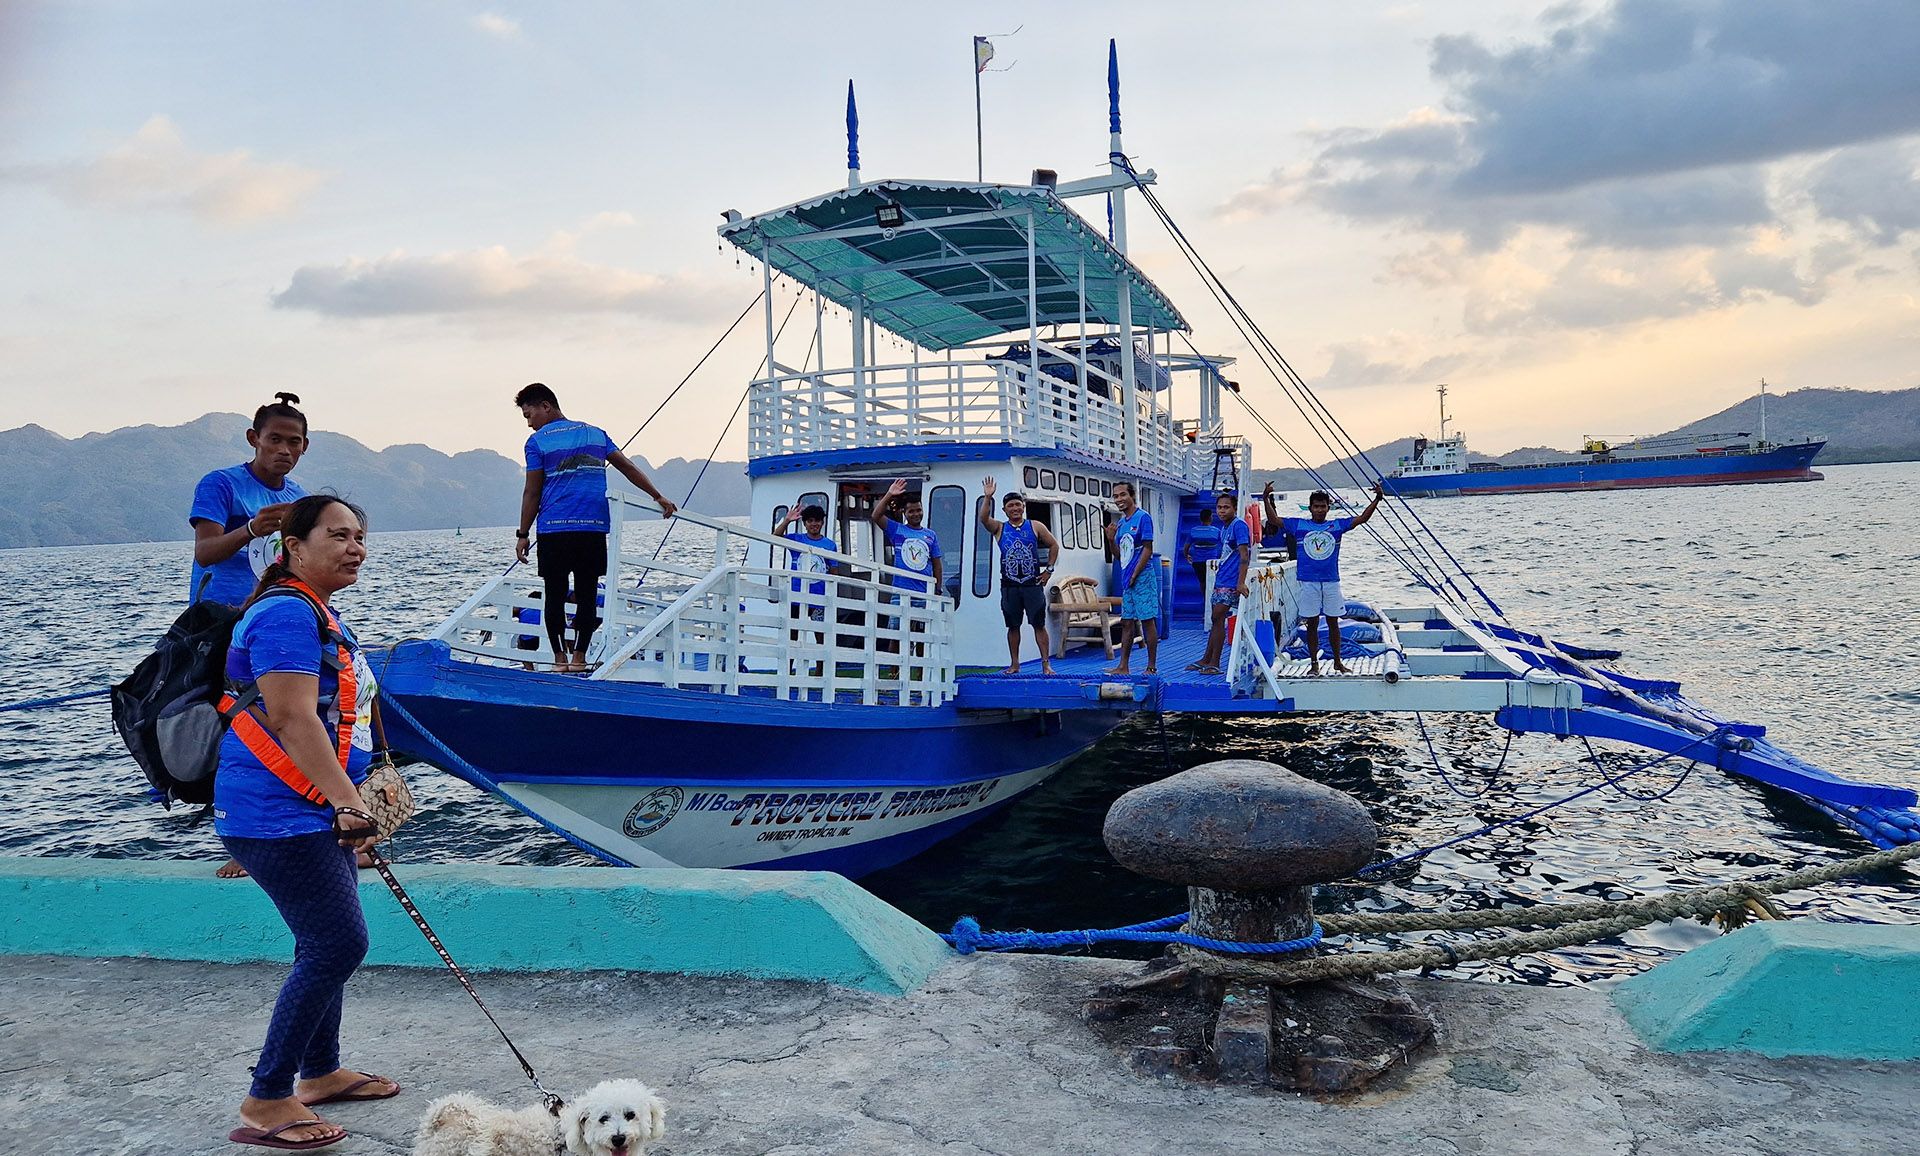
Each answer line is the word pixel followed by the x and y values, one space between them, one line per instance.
pixel 1786 605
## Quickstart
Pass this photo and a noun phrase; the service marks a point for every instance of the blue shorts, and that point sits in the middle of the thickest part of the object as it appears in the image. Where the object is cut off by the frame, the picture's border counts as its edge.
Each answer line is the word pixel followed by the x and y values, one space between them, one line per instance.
pixel 1141 601
pixel 1226 595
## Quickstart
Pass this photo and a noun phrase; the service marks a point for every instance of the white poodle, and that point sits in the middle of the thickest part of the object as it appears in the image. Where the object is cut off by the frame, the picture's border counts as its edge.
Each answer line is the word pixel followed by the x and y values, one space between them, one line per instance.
pixel 614 1118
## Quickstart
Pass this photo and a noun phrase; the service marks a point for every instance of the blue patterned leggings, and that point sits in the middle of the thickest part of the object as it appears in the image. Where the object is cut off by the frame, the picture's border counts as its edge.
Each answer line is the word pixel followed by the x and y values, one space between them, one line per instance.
pixel 314 883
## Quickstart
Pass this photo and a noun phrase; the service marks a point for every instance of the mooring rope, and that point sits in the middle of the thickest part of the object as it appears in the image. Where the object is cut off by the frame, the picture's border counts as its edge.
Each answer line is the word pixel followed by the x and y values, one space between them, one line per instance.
pixel 37 703
pixel 967 938
pixel 1578 923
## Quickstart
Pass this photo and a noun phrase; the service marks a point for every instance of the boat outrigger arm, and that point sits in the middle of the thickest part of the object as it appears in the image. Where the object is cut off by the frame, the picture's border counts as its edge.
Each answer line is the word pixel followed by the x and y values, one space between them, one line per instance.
pixel 1440 657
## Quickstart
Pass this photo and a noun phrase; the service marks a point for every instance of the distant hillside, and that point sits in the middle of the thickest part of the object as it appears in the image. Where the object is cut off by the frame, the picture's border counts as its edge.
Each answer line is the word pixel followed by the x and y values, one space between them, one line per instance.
pixel 135 484
pixel 1858 425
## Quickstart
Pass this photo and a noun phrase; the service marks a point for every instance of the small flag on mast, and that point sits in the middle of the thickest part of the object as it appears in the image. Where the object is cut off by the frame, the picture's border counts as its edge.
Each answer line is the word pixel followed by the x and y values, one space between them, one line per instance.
pixel 982 53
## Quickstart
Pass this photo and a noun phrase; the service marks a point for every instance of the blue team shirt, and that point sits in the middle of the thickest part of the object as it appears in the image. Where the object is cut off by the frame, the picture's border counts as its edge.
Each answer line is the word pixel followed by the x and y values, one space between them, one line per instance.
pixel 573 457
pixel 228 498
pixel 282 634
pixel 1203 542
pixel 1228 576
pixel 1317 547
pixel 811 563
pixel 1130 536
pixel 913 549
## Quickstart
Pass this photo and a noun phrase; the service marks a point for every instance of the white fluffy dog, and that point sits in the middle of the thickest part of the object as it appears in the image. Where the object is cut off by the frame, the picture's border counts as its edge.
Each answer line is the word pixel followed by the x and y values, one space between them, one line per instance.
pixel 614 1118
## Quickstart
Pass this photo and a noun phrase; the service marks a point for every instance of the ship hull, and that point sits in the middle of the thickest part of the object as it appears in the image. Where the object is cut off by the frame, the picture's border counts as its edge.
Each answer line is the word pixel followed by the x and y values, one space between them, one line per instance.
pixel 650 777
pixel 1781 464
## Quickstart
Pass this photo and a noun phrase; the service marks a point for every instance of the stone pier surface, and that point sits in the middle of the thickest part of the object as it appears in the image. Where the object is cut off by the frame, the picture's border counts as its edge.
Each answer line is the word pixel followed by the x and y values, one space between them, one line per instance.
pixel 131 1057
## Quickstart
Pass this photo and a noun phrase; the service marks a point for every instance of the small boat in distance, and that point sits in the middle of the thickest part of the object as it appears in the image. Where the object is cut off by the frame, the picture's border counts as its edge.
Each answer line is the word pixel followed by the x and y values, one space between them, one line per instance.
pixel 1438 468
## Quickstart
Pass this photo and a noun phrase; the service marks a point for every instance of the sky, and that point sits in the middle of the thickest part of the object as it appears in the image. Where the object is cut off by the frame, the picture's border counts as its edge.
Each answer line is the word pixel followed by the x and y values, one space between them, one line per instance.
pixel 1598 218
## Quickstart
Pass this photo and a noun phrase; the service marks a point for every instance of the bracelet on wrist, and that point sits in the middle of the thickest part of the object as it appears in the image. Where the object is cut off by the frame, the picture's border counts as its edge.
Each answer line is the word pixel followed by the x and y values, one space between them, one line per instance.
pixel 250 532
pixel 521 534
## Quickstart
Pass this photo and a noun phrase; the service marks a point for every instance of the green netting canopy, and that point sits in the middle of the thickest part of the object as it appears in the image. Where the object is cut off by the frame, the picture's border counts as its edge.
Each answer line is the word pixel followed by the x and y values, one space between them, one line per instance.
pixel 955 269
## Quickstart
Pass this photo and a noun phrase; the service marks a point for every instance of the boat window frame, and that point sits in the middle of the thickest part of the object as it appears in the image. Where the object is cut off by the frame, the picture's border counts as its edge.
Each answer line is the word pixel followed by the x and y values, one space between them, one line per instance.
pixel 1079 483
pixel 1046 480
pixel 950 577
pixel 1080 524
pixel 1030 477
pixel 982 554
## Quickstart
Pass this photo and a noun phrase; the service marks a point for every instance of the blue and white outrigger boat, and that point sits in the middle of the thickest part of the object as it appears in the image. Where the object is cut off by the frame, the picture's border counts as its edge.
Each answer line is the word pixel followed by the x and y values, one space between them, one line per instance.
pixel 726 726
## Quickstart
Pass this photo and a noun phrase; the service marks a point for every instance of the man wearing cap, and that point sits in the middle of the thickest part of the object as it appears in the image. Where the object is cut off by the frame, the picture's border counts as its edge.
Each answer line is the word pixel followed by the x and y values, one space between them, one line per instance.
pixel 1023 577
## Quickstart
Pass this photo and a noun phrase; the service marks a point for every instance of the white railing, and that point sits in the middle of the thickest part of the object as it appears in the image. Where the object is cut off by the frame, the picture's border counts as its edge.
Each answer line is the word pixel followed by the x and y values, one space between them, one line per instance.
pixel 962 401
pixel 1270 592
pixel 733 622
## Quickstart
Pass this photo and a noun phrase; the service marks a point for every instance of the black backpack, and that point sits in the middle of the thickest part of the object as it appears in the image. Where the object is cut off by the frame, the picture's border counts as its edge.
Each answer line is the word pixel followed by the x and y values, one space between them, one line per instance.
pixel 168 710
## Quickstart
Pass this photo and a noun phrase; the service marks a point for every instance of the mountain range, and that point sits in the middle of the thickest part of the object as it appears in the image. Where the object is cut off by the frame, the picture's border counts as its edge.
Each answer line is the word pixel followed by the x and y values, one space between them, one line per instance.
pixel 134 484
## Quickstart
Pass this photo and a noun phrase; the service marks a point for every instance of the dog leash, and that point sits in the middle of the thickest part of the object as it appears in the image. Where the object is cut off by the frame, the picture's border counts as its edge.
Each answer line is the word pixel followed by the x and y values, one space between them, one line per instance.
pixel 552 1102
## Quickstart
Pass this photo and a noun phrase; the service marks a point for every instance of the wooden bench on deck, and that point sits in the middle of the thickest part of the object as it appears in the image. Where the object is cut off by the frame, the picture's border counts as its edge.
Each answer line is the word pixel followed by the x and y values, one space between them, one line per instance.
pixel 1077 605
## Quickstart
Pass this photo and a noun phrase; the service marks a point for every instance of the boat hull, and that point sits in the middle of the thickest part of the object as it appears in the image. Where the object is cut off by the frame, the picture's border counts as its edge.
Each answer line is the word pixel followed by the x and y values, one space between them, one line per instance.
pixel 1781 464
pixel 647 776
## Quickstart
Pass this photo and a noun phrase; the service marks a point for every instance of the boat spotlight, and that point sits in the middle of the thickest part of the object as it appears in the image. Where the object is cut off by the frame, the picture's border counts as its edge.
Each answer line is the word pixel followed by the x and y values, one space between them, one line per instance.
pixel 889 215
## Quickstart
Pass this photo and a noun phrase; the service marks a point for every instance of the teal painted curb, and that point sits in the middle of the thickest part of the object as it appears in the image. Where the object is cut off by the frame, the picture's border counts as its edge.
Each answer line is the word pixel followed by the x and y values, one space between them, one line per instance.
pixel 1790 988
pixel 809 925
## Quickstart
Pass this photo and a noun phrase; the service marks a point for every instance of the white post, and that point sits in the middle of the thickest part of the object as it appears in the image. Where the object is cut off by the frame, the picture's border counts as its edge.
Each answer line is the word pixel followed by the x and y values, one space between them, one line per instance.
pixel 1085 435
pixel 819 333
pixel 766 296
pixel 1033 325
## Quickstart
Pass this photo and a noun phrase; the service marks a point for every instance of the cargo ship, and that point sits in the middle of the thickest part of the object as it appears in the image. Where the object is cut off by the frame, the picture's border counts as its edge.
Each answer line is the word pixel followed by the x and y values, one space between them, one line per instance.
pixel 1438 467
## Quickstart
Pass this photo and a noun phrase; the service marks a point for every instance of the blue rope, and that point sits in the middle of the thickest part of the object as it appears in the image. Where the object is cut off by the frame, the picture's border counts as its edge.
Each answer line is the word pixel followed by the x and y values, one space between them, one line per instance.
pixel 1438 766
pixel 967 938
pixel 34 704
pixel 479 777
pixel 1604 783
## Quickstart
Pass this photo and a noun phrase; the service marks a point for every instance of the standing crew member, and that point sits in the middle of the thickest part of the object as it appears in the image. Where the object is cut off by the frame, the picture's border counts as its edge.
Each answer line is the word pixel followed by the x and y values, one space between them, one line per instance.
pixel 1203 546
pixel 913 547
pixel 237 506
pixel 1318 542
pixel 1229 583
pixel 1130 549
pixel 286 802
pixel 566 492
pixel 1023 577
pixel 237 513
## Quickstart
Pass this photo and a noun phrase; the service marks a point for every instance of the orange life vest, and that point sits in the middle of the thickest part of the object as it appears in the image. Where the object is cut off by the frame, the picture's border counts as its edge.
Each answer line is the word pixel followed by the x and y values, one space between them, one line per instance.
pixel 237 704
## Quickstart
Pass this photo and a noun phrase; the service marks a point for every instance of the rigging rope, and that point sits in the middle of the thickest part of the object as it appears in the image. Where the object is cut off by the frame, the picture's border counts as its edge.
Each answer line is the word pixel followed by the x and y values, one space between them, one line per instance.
pixel 37 703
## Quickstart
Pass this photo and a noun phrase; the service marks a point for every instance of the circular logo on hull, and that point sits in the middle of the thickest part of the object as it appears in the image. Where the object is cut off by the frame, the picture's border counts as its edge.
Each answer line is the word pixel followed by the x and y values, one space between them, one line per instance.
pixel 652 812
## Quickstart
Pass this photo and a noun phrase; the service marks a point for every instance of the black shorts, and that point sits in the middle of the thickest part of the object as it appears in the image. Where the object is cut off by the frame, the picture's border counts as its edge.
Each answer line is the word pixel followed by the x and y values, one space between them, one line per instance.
pixel 572 552
pixel 1018 600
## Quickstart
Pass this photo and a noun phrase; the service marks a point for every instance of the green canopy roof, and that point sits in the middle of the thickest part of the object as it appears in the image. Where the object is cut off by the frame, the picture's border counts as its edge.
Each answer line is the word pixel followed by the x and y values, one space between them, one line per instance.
pixel 955 270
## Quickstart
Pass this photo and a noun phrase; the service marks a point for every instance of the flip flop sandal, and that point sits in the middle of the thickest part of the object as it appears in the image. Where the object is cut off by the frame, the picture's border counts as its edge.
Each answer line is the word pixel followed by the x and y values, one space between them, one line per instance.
pixel 270 1137
pixel 352 1094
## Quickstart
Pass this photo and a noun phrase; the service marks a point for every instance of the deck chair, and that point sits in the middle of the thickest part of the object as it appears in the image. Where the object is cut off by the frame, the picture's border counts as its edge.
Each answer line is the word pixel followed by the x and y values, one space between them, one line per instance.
pixel 1076 607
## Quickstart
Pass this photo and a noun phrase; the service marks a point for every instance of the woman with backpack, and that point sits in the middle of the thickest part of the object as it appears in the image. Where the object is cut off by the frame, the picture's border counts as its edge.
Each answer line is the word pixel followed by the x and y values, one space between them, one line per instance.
pixel 287 806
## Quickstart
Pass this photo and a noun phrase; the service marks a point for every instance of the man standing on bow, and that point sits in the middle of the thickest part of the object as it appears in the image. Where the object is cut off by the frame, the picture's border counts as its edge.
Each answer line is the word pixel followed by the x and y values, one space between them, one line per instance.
pixel 1023 577
pixel 566 493
pixel 1137 576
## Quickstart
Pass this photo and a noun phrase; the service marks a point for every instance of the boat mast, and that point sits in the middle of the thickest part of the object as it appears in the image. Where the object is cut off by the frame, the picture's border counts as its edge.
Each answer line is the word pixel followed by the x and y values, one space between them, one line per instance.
pixel 1117 165
pixel 859 306
pixel 1763 411
pixel 1443 413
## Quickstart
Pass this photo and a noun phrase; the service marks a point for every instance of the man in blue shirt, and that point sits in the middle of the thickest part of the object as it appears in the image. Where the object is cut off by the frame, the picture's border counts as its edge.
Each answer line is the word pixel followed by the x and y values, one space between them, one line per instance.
pixel 814 520
pixel 1317 547
pixel 236 512
pixel 1023 576
pixel 910 545
pixel 1229 582
pixel 566 492
pixel 1203 546
pixel 1136 576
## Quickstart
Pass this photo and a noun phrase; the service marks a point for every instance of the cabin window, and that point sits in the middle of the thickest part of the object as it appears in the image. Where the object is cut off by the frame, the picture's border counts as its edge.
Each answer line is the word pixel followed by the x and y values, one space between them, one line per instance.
pixel 982 551
pixel 947 518
pixel 1077 531
pixel 779 516
pixel 1106 488
pixel 1079 483
pixel 1031 477
pixel 1046 479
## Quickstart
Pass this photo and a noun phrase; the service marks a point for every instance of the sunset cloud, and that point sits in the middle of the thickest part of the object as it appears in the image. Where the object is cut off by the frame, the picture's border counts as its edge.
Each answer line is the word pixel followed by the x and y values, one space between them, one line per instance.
pixel 492 280
pixel 156 169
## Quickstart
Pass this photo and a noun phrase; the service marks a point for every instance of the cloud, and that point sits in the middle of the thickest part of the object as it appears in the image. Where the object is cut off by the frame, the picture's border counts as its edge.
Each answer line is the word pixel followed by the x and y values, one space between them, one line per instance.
pixel 550 282
pixel 1657 158
pixel 1874 189
pixel 497 26
pixel 157 170
pixel 1352 365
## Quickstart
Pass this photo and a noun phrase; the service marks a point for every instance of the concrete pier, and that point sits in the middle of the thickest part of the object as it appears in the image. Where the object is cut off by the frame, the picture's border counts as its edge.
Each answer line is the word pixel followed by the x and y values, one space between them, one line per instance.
pixel 143 1057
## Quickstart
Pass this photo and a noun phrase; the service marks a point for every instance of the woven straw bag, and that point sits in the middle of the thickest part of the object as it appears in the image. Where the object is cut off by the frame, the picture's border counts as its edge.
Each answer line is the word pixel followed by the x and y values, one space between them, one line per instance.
pixel 388 799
